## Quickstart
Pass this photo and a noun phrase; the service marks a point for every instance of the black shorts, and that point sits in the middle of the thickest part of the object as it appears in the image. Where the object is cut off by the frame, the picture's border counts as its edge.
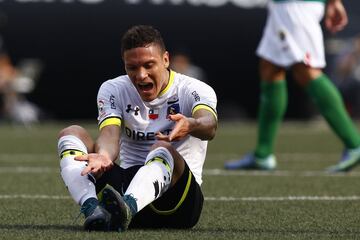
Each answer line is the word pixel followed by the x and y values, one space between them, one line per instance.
pixel 179 207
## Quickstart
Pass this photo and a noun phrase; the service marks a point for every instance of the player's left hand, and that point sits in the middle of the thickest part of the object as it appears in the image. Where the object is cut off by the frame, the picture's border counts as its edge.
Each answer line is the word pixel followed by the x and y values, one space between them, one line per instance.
pixel 181 129
pixel 97 164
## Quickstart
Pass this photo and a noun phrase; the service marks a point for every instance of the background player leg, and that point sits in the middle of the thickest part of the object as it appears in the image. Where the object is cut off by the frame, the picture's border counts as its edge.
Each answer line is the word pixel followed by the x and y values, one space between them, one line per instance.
pixel 330 104
pixel 273 103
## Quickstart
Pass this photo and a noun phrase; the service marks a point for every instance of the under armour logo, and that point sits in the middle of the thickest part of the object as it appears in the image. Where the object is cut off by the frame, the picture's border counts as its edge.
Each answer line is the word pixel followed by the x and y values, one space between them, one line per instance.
pixel 135 109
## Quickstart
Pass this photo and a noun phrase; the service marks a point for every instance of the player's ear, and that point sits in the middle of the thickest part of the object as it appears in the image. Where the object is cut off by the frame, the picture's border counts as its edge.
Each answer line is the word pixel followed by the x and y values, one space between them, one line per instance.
pixel 166 59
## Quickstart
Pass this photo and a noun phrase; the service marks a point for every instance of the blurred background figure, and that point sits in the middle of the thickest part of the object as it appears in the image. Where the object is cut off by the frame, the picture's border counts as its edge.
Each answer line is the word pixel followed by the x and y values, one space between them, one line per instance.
pixel 15 83
pixel 346 75
pixel 181 62
pixel 293 40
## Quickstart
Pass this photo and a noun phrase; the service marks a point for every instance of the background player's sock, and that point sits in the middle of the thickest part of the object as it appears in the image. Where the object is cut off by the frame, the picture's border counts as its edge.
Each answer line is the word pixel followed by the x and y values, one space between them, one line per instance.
pixel 330 104
pixel 153 179
pixel 273 103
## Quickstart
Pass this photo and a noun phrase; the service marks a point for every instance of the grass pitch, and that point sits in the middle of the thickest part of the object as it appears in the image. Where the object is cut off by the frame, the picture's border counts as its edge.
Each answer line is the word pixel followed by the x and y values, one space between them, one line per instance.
pixel 297 201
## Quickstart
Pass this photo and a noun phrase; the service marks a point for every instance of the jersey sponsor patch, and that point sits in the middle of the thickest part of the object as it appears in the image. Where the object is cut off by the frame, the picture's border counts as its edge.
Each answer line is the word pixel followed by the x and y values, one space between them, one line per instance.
pixel 143 136
pixel 112 102
pixel 196 96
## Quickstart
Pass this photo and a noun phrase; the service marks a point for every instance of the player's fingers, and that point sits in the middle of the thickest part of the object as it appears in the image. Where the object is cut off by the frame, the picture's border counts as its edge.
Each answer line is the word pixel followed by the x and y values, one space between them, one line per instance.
pixel 108 166
pixel 160 136
pixel 82 157
pixel 91 169
pixel 86 170
pixel 163 138
pixel 174 137
pixel 341 24
pixel 328 24
pixel 174 117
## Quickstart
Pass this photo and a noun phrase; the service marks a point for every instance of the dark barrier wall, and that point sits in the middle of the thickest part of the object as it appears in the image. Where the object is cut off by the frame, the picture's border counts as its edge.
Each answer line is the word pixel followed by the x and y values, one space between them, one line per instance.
pixel 79 45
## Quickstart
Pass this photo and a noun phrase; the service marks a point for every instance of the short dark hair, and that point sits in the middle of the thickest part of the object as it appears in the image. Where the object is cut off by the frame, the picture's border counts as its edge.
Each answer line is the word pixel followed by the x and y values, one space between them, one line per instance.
pixel 141 36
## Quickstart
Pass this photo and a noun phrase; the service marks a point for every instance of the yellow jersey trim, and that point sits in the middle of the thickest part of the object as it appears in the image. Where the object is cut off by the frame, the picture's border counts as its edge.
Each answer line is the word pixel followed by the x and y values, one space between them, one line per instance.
pixel 202 106
pixel 170 83
pixel 110 121
pixel 168 212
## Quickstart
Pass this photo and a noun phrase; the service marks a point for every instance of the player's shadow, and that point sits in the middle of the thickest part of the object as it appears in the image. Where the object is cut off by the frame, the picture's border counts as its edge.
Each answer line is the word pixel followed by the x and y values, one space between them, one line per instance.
pixel 68 228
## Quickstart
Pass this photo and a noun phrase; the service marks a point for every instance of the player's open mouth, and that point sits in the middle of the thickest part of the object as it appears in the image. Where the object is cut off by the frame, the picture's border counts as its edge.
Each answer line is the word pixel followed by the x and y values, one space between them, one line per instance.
pixel 145 86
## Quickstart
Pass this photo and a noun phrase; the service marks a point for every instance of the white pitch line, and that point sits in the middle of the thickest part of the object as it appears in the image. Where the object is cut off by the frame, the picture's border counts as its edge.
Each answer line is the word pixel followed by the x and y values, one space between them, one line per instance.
pixel 27 196
pixel 217 199
pixel 29 170
pixel 288 198
pixel 27 155
pixel 283 156
pixel 277 173
pixel 206 172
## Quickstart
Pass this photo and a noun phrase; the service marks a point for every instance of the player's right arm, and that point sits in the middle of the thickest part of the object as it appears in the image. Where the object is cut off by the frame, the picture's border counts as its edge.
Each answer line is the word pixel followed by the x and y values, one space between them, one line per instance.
pixel 106 152
pixel 107 144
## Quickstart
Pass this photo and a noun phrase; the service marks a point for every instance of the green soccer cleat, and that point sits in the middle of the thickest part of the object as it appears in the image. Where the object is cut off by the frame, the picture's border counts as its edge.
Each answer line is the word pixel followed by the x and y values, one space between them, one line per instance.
pixel 250 162
pixel 119 207
pixel 349 159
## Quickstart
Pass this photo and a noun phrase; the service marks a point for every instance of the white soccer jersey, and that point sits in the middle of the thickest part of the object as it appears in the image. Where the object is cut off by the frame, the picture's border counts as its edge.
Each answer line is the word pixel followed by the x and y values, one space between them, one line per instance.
pixel 120 103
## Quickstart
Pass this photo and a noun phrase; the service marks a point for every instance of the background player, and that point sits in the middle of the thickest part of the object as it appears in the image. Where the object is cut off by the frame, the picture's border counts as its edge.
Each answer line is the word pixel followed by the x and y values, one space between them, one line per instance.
pixel 293 38
pixel 157 123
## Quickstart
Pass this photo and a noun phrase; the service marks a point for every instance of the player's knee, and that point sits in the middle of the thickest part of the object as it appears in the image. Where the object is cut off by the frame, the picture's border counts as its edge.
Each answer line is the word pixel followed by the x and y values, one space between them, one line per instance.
pixel 164 144
pixel 162 151
pixel 74 130
pixel 303 74
pixel 270 72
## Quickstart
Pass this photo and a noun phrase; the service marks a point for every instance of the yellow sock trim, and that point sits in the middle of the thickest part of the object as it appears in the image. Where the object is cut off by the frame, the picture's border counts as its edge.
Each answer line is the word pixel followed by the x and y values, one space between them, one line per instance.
pixel 71 152
pixel 168 212
pixel 157 159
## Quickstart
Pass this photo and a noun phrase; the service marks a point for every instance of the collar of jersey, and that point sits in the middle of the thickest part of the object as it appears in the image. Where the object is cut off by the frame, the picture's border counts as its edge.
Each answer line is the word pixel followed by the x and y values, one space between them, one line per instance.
pixel 170 83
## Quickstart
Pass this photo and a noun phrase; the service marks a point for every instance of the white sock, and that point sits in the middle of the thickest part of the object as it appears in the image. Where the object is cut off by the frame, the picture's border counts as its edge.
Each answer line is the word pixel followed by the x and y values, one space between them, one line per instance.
pixel 153 179
pixel 80 187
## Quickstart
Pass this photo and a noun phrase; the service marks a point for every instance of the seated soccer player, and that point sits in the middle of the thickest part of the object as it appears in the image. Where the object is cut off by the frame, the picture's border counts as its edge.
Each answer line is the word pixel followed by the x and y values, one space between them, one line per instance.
pixel 157 124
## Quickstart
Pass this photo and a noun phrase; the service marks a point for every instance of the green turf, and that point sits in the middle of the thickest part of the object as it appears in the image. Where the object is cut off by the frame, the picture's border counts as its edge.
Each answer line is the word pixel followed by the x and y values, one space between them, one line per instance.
pixel 34 204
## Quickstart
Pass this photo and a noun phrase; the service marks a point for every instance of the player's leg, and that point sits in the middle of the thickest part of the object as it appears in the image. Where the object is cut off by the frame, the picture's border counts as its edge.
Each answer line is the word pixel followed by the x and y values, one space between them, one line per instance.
pixel 179 207
pixel 330 104
pixel 74 141
pixel 163 168
pixel 156 176
pixel 273 103
pixel 148 184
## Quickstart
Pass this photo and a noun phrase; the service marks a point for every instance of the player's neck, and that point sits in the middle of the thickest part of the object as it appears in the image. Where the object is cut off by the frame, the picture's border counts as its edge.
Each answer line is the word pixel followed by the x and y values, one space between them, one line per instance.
pixel 166 80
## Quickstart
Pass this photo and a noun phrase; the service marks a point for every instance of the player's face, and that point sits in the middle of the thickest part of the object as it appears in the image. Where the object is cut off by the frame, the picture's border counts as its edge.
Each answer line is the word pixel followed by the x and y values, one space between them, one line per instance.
pixel 147 68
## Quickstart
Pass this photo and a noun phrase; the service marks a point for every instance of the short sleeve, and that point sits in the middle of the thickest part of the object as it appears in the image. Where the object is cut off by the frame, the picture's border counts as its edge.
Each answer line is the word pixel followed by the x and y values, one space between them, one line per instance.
pixel 202 96
pixel 109 111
